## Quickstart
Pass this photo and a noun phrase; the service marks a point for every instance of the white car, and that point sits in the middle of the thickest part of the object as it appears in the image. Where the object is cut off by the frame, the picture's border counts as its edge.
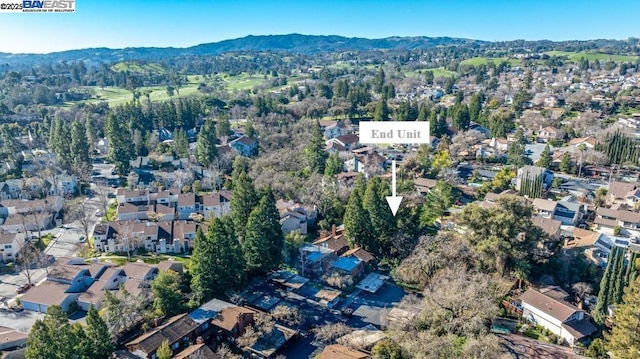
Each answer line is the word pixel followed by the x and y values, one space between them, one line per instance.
pixel 98 213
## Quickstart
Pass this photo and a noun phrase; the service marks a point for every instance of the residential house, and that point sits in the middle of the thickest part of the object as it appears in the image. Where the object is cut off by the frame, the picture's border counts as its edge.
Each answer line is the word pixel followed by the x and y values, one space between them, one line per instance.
pixel 618 191
pixel 477 127
pixel 246 146
pixel 124 195
pixel 11 338
pixel 268 344
pixel 534 173
pixel 349 142
pixel 10 246
pixel 222 320
pixel 549 226
pixel 360 254
pixel 295 217
pixel 332 129
pixel 315 260
pixel 195 351
pixel 549 133
pixel 614 222
pixel 187 205
pixel 632 199
pixel 500 144
pixel 424 185
pixel 67 185
pixel 567 211
pixel 589 142
pixel 334 241
pixel 339 351
pixel 216 204
pixel 595 245
pixel 179 331
pixel 328 297
pixel 110 280
pixel 561 318
pixel 48 293
pixel 348 266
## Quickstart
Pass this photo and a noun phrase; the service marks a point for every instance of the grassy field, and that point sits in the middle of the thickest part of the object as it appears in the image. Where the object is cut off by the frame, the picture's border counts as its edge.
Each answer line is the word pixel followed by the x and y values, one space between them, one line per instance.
pixel 476 61
pixel 140 68
pixel 591 56
pixel 437 72
pixel 241 82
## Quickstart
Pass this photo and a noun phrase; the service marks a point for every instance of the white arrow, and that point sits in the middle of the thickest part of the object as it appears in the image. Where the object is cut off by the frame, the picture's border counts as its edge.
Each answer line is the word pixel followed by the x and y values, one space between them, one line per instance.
pixel 393 200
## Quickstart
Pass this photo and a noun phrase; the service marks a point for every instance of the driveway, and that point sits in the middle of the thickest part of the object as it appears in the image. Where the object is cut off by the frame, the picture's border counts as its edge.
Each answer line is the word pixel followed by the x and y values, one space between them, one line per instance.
pixel 22 321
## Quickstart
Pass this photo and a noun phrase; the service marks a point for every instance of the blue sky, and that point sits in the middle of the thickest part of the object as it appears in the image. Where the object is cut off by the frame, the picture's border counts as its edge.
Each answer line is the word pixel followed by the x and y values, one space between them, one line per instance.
pixel 182 23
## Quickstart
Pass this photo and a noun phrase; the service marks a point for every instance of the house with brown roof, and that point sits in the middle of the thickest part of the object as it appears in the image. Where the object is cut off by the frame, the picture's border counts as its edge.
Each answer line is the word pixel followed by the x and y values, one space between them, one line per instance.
pixel 339 351
pixel 334 241
pixel 549 133
pixel 196 351
pixel 11 338
pixel 246 146
pixel 424 185
pixel 361 254
pixel 295 217
pixel 110 280
pixel 609 221
pixel 179 331
pixel 222 319
pixel 216 204
pixel 48 293
pixel 618 191
pixel 549 226
pixel 561 318
pixel 187 205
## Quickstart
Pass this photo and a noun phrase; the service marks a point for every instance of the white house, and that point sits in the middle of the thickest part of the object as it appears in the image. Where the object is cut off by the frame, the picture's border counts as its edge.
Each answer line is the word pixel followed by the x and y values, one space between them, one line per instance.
pixel 216 204
pixel 10 245
pixel 561 318
pixel 608 221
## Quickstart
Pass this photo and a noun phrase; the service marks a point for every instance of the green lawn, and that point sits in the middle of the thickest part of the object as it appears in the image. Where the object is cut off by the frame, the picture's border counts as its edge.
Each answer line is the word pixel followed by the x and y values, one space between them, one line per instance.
pixel 437 72
pixel 118 96
pixel 241 82
pixel 591 56
pixel 133 66
pixel 476 61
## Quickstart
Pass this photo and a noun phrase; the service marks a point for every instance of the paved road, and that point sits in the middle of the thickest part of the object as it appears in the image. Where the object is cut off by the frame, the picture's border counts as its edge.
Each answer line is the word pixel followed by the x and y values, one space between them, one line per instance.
pixel 66 245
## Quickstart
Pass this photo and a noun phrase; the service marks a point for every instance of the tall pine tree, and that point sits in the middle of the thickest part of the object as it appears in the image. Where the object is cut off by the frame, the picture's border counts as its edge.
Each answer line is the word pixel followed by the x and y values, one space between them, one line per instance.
pixel 600 311
pixel 242 203
pixel 314 151
pixel 357 223
pixel 80 150
pixel 382 220
pixel 264 241
pixel 206 150
pixel 100 345
pixel 201 265
pixel 624 341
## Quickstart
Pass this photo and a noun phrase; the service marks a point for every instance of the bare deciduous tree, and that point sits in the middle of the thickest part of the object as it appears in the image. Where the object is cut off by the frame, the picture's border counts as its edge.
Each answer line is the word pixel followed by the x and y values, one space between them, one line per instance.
pixel 329 333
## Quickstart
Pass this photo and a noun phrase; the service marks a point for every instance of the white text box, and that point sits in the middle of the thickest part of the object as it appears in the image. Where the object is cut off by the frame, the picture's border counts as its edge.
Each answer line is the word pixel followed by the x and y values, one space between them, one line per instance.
pixel 401 132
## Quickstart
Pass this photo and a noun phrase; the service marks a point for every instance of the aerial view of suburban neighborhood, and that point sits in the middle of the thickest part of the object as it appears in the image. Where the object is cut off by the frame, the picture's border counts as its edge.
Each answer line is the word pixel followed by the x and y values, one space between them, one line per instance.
pixel 211 184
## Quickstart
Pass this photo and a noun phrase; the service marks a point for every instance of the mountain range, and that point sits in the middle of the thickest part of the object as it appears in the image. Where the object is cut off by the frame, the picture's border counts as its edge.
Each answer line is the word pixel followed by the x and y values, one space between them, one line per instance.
pixel 292 43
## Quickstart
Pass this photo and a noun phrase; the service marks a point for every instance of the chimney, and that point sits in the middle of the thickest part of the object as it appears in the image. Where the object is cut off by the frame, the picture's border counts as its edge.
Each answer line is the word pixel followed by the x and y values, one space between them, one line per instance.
pixel 333 230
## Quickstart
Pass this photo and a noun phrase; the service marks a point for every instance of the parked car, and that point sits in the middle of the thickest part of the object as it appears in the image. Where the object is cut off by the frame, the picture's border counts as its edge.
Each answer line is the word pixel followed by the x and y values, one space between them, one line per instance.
pixel 98 213
pixel 23 288
pixel 82 238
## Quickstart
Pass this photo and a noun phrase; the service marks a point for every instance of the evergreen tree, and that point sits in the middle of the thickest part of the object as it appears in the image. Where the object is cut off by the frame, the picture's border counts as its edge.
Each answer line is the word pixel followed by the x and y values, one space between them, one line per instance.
pixel 357 223
pixel 167 298
pixel 423 113
pixel 242 203
pixel 99 342
pixel 164 352
pixel 224 127
pixel 381 111
pixel 461 117
pixel 618 279
pixel 334 165
pixel 264 241
pixel 631 269
pixel 121 147
pixel 80 150
pixel 545 157
pixel 201 265
pixel 52 337
pixel 314 151
pixel 206 150
pixel 382 221
pixel 600 311
pixel 429 77
pixel 475 106
pixel 228 261
pixel 565 163
pixel 624 341
pixel 180 143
